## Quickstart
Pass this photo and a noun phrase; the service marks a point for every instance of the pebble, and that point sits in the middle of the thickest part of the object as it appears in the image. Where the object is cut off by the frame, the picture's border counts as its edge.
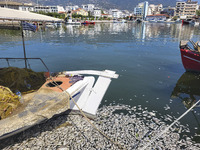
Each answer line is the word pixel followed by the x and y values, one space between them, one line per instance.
pixel 132 131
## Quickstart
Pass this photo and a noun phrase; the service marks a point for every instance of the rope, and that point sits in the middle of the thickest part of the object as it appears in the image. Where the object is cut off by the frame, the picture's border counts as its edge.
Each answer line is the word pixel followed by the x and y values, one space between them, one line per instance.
pixel 115 143
pixel 170 126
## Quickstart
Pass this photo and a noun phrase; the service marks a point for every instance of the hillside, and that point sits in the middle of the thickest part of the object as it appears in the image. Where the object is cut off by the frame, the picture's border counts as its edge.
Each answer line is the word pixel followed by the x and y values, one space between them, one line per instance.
pixel 120 4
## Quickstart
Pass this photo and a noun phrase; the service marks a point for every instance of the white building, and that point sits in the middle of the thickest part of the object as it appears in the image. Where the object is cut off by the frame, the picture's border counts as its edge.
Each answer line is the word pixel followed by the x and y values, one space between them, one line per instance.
pixel 141 10
pixel 116 13
pixel 17 5
pixel 88 7
pixel 155 9
pixel 96 12
pixel 126 13
pixel 52 9
pixel 186 10
pixel 71 8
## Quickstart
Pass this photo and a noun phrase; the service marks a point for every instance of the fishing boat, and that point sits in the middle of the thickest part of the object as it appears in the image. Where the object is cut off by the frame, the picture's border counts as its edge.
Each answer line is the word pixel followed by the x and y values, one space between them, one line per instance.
pixel 88 22
pixel 190 56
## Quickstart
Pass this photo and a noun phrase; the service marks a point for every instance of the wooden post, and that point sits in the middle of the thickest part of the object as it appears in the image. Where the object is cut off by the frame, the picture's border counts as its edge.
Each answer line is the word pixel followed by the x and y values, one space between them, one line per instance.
pixel 24 46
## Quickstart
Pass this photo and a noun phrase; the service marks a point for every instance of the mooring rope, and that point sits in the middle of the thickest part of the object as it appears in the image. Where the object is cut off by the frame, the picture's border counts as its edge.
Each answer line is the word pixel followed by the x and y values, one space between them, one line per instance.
pixel 156 137
pixel 101 132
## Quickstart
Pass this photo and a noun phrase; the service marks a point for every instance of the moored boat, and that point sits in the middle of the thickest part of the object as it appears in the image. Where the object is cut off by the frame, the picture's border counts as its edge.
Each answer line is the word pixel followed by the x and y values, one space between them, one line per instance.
pixel 190 56
pixel 70 21
pixel 88 22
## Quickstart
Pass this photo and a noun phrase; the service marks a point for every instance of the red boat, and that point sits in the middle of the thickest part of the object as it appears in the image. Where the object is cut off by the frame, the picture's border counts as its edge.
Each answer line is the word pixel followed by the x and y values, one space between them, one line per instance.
pixel 88 22
pixel 190 56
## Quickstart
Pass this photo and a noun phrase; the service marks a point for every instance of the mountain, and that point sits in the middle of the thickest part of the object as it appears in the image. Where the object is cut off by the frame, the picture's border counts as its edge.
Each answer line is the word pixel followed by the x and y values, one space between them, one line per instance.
pixel 120 4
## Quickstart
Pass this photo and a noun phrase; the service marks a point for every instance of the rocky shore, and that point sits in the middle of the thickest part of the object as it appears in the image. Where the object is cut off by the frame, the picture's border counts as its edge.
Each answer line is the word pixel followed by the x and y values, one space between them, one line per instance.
pixel 130 127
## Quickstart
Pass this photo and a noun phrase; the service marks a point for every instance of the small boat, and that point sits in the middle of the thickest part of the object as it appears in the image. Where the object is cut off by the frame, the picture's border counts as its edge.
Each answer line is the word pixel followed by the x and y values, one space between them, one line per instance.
pixel 187 21
pixel 178 21
pixel 68 90
pixel 88 22
pixel 119 21
pixel 161 21
pixel 138 20
pixel 193 22
pixel 190 56
pixel 70 21
pixel 153 21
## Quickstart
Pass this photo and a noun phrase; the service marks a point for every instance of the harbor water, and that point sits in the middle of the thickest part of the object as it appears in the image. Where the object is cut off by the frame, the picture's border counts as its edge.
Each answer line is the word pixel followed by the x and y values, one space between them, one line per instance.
pixel 145 55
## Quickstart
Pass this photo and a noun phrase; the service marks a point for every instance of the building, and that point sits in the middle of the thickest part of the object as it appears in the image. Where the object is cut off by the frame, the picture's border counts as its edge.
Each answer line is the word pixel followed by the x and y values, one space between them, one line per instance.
pixel 106 15
pixel 141 10
pixel 88 7
pixel 71 8
pixel 126 13
pixel 186 10
pixel 96 12
pixel 80 11
pixel 51 9
pixel 168 11
pixel 115 13
pixel 16 5
pixel 155 9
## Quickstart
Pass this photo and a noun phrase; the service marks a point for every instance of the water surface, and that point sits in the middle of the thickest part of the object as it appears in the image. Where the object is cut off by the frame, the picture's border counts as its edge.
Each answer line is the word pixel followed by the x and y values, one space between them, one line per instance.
pixel 146 56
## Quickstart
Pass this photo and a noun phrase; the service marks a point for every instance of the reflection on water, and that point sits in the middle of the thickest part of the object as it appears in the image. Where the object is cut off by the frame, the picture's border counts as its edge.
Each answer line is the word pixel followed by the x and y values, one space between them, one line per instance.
pixel 139 31
pixel 187 88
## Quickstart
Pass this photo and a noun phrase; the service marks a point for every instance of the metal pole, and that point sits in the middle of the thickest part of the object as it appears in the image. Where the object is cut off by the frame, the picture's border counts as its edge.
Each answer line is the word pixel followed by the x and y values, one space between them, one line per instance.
pixel 24 46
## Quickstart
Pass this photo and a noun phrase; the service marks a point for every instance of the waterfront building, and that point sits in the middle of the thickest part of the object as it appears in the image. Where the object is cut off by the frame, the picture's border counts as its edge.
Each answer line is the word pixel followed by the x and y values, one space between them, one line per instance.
pixel 168 11
pixel 155 9
pixel 96 12
pixel 141 10
pixel 106 15
pixel 80 11
pixel 126 13
pixel 115 13
pixel 88 7
pixel 17 5
pixel 51 9
pixel 71 8
pixel 186 10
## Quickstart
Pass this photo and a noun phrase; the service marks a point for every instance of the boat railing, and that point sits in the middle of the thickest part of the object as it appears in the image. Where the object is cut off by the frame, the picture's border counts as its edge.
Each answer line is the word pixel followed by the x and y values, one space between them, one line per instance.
pixel 25 59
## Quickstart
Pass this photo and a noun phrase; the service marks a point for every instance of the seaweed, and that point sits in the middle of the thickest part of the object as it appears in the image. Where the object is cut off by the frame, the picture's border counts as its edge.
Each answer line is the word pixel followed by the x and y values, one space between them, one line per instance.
pixel 21 79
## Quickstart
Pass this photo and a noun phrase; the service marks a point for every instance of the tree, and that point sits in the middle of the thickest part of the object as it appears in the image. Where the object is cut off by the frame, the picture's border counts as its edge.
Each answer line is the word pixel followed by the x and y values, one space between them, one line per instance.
pixel 198 12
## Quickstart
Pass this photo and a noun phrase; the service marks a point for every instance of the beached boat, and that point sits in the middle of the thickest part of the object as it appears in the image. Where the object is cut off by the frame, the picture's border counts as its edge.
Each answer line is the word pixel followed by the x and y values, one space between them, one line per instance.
pixel 67 91
pixel 190 56
pixel 88 22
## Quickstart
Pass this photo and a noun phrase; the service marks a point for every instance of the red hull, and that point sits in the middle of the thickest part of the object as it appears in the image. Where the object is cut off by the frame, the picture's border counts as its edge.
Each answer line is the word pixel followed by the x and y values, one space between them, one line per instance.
pixel 191 60
pixel 88 22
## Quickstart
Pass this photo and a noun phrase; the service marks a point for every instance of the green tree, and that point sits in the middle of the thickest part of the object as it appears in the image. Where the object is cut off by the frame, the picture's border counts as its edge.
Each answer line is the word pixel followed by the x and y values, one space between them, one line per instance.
pixel 198 12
